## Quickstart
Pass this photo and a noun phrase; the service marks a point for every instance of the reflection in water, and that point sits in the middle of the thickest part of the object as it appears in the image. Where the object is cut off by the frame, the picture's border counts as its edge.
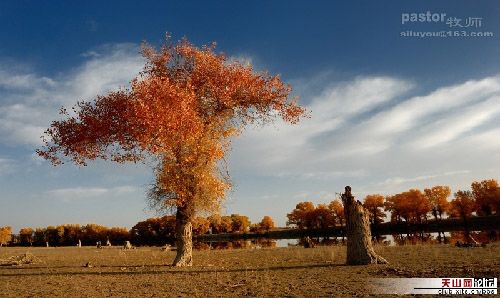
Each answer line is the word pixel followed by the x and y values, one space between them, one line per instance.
pixel 482 237
pixel 237 244
pixel 286 242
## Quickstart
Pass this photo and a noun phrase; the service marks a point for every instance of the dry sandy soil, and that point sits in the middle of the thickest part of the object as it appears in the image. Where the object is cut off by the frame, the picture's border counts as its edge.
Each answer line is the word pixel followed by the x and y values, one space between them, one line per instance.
pixel 273 272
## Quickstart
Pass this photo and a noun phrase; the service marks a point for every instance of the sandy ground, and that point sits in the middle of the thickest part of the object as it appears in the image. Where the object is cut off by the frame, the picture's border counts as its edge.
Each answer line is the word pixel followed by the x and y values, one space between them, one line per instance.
pixel 273 272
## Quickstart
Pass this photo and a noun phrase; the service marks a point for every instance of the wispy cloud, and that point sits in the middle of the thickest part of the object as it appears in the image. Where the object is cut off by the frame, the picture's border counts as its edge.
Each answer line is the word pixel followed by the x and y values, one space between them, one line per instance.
pixel 30 101
pixel 401 180
pixel 370 126
pixel 377 133
pixel 83 193
pixel 332 114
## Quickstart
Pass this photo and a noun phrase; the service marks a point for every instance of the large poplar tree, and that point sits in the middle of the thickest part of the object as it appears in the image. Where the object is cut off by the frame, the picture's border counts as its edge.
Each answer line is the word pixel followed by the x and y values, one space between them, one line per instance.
pixel 182 109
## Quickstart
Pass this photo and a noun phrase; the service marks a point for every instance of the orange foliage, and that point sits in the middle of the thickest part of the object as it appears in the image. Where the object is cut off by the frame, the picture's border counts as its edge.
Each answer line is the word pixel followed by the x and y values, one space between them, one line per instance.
pixel 153 230
pixel 395 205
pixel 374 205
pixel 226 224
pixel 266 224
pixel 26 236
pixel 240 223
pixel 463 205
pixel 321 217
pixel 307 216
pixel 487 196
pixel 183 108
pixel 338 211
pixel 300 215
pixel 411 205
pixel 438 198
pixel 5 235
pixel 234 223
pixel 200 225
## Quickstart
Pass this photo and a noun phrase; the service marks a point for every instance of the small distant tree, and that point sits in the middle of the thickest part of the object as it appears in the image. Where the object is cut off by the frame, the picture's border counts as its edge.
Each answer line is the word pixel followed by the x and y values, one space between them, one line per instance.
pixel 215 222
pixel 266 224
pixel 200 225
pixel 395 205
pixel 375 204
pixel 417 204
pixel 226 224
pixel 26 236
pixel 487 196
pixel 182 110
pixel 93 233
pixel 72 233
pixel 438 198
pixel 52 235
pixel 118 235
pixel 5 235
pixel 463 206
pixel 240 223
pixel 321 217
pixel 301 215
pixel 411 205
pixel 155 230
pixel 337 210
pixel 40 236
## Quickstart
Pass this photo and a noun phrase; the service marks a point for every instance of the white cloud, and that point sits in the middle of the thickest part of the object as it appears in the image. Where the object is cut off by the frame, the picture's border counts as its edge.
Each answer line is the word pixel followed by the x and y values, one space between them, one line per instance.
pixel 457 123
pixel 377 133
pixel 23 81
pixel 30 101
pixel 421 109
pixel 401 180
pixel 370 126
pixel 331 111
pixel 488 140
pixel 320 175
pixel 83 193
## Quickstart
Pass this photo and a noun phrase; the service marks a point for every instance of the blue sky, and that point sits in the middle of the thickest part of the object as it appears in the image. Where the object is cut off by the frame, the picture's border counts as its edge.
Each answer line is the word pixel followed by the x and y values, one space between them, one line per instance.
pixel 388 112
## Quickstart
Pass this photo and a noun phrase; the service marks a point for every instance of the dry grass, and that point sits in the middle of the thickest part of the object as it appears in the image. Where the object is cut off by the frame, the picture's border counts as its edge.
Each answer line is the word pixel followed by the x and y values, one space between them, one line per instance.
pixel 26 258
pixel 277 272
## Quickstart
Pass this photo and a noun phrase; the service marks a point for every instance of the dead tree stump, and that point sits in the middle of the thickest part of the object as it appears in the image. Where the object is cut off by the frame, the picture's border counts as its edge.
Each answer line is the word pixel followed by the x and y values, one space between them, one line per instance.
pixel 359 244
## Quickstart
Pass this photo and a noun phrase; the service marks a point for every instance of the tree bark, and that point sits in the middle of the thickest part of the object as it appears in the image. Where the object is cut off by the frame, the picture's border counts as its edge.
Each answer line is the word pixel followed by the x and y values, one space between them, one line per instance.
pixel 184 236
pixel 359 244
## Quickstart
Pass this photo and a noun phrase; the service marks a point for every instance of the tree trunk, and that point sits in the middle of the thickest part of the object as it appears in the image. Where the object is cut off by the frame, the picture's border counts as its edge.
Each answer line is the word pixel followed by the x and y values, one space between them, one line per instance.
pixel 184 236
pixel 359 245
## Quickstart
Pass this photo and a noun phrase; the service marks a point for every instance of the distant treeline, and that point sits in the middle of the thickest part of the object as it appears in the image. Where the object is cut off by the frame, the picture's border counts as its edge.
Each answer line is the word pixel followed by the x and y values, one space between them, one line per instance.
pixel 158 230
pixel 152 231
pixel 476 223
pixel 409 212
pixel 413 206
pixel 64 235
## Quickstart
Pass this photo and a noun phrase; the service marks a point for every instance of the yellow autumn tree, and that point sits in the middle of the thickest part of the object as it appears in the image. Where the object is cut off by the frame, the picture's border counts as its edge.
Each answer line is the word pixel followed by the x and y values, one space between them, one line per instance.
pixel 5 235
pixel 266 224
pixel 487 196
pixel 438 198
